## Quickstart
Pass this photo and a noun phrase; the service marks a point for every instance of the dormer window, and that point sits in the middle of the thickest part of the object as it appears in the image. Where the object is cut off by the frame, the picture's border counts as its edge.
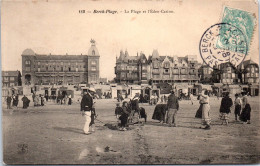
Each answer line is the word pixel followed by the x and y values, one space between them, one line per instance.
pixel 166 65
pixel 27 62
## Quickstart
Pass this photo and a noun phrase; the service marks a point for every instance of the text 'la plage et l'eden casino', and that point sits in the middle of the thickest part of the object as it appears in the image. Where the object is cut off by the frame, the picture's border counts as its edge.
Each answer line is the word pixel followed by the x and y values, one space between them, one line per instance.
pixel 125 11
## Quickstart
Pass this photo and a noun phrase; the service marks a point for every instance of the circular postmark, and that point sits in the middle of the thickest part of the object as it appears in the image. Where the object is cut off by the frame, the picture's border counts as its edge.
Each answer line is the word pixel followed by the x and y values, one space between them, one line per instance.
pixel 223 43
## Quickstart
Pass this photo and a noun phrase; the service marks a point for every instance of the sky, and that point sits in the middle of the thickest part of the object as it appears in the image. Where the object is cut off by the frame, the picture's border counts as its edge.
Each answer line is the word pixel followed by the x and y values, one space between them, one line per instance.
pixel 57 27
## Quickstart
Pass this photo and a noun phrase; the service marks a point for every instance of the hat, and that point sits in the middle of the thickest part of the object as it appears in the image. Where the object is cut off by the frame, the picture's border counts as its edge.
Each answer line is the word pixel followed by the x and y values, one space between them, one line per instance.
pixel 92 89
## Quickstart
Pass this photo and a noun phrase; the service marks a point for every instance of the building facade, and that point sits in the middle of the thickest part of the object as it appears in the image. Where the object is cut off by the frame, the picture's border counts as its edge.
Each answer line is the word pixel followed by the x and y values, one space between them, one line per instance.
pixel 60 69
pixel 249 72
pixel 227 74
pixel 205 73
pixel 156 68
pixel 11 78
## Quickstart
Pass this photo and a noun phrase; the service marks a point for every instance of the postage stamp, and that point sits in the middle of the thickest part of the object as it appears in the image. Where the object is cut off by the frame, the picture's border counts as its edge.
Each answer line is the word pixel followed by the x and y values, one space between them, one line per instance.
pixel 242 20
pixel 232 41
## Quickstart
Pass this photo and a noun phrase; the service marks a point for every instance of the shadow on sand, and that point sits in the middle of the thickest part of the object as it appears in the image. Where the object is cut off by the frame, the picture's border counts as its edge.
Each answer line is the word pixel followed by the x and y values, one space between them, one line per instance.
pixel 69 129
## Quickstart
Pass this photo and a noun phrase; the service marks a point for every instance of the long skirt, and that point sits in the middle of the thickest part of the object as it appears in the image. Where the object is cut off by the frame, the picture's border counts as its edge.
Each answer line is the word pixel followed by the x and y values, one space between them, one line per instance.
pixel 123 119
pixel 205 114
pixel 70 101
pixel 237 110
pixel 199 112
pixel 246 113
pixel 160 112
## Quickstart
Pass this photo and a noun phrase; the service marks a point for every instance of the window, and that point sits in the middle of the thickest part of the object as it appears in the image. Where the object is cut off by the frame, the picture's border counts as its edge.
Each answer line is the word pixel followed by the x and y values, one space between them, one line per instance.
pixel 252 70
pixel 144 67
pixel 93 52
pixel 155 65
pixel 94 77
pixel 175 77
pixel 166 64
pixel 166 71
pixel 93 69
pixel 39 63
pixel 156 70
pixel 229 69
pixel 256 74
pixel 27 69
pixel 69 69
pixel 183 71
pixel 143 74
pixel 27 62
pixel 11 78
pixel 175 71
pixel 77 69
pixel 93 62
pixel 6 79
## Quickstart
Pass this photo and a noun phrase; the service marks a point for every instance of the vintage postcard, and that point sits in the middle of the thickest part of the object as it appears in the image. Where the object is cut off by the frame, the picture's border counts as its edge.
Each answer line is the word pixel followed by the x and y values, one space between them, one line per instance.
pixel 130 82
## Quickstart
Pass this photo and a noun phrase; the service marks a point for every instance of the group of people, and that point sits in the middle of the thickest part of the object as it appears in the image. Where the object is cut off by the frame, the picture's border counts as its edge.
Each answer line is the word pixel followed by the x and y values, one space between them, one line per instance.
pixel 64 99
pixel 167 110
pixel 14 98
pixel 130 112
pixel 242 108
pixel 38 100
pixel 107 95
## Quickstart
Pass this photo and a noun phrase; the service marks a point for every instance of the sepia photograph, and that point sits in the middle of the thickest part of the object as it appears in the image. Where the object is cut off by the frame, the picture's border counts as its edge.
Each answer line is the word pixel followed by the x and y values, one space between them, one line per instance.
pixel 130 82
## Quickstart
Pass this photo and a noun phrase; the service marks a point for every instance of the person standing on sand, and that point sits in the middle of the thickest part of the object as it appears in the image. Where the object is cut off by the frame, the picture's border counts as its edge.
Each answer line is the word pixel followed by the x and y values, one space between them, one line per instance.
pixel 226 103
pixel 70 100
pixel 8 101
pixel 173 107
pixel 199 111
pixel 238 103
pixel 205 121
pixel 86 107
pixel 246 109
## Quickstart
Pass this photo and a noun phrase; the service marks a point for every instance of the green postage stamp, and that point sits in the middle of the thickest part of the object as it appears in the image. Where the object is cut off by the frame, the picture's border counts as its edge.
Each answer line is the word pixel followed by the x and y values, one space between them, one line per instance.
pixel 240 19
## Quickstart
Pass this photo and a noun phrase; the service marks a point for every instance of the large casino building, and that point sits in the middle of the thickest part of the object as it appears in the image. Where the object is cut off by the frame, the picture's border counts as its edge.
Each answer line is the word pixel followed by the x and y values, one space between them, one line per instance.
pixel 60 69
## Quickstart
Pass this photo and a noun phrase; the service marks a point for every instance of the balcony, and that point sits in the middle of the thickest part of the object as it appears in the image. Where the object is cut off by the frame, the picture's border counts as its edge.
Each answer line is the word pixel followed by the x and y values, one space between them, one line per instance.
pixel 156 72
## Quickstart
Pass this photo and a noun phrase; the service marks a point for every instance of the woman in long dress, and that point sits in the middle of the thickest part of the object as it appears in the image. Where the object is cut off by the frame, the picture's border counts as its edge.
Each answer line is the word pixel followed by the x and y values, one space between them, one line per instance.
pixel 205 110
pixel 199 111
pixel 70 101
pixel 225 106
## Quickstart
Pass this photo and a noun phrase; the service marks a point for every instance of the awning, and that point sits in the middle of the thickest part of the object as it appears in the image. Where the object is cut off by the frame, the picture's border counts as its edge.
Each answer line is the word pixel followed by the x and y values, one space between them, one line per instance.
pixel 207 87
pixel 184 86
pixel 234 86
pixel 218 85
pixel 254 86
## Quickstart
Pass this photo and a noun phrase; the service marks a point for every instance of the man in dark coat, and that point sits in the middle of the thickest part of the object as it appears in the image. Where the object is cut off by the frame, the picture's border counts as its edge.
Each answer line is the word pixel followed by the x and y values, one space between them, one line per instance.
pixel 173 107
pixel 86 107
pixel 8 101
pixel 25 102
